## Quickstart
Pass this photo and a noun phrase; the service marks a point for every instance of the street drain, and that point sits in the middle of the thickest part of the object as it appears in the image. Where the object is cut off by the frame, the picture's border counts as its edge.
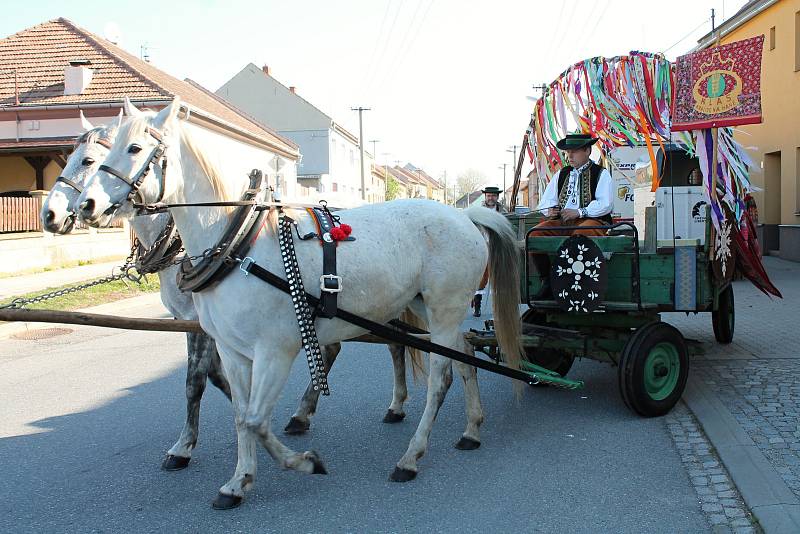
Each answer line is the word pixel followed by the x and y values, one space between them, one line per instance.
pixel 42 333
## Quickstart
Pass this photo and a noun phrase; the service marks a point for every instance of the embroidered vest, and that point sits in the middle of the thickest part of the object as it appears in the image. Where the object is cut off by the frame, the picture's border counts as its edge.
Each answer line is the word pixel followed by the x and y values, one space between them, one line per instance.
pixel 587 184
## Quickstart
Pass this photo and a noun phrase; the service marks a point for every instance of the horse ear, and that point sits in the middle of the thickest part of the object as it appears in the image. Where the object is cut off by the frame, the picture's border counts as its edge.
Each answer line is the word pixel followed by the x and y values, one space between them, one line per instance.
pixel 129 108
pixel 119 118
pixel 85 122
pixel 167 115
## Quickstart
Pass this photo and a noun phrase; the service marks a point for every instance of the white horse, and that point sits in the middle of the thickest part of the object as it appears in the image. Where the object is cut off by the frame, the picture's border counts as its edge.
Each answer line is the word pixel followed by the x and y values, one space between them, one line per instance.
pixel 58 215
pixel 413 253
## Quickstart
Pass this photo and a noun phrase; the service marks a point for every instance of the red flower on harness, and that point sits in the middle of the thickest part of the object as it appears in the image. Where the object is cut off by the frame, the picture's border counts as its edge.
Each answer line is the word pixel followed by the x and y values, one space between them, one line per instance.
pixel 346 228
pixel 338 234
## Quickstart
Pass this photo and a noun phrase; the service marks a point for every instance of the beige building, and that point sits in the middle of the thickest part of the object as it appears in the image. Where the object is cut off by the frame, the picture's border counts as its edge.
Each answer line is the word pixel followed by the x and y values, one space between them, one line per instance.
pixel 775 142
pixel 54 71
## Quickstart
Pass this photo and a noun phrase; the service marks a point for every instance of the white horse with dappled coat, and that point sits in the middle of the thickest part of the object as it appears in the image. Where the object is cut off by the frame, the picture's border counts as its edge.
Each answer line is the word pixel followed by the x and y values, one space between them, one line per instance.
pixel 408 253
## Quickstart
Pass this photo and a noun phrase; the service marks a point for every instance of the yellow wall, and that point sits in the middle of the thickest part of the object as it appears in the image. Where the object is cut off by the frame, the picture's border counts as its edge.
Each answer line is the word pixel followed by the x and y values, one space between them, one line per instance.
pixel 16 174
pixel 780 101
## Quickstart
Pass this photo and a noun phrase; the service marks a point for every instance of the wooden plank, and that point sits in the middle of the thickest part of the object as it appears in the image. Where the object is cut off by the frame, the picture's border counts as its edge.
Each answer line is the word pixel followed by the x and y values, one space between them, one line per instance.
pixel 95 319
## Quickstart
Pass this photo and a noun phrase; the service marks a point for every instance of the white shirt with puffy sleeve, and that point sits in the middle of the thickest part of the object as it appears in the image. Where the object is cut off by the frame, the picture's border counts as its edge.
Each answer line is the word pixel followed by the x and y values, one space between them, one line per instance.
pixel 603 202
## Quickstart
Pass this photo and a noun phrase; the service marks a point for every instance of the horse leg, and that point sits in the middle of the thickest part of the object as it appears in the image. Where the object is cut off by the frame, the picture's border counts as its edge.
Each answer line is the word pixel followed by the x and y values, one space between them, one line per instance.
pixel 269 376
pixel 300 422
pixel 238 369
pixel 217 375
pixel 471 439
pixel 440 376
pixel 395 414
pixel 200 348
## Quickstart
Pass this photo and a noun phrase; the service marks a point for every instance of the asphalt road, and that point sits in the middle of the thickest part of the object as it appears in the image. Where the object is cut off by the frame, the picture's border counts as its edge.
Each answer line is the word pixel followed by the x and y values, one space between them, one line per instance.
pixel 85 419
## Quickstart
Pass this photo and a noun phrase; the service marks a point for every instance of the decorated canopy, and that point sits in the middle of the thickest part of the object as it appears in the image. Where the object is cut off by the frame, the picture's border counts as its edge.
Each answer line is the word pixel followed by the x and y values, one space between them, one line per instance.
pixel 628 101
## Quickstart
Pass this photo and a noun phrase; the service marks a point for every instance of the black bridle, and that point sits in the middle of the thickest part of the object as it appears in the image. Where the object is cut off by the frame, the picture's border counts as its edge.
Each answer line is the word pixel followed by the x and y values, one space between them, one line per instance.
pixel 157 156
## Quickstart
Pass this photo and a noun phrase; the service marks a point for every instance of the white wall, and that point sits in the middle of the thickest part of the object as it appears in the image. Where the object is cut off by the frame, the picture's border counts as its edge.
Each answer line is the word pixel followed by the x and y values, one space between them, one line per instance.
pixel 241 158
pixel 45 128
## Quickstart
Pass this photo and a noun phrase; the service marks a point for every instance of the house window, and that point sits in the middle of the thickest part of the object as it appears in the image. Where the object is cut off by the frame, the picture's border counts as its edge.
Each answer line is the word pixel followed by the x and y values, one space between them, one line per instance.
pixel 772 38
pixel 334 187
pixel 352 157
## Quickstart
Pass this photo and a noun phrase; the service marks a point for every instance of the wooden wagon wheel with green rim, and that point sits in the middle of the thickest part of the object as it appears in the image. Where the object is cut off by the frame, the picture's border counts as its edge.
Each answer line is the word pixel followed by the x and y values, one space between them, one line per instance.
pixel 724 317
pixel 552 359
pixel 653 369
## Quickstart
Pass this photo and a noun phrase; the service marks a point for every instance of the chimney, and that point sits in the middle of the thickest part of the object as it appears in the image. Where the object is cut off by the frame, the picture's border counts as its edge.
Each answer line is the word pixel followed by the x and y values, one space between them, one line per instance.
pixel 293 89
pixel 77 77
pixel 265 68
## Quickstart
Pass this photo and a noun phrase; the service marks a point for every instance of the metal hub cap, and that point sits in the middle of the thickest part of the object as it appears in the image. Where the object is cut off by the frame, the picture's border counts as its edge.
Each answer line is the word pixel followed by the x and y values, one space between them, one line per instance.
pixel 661 370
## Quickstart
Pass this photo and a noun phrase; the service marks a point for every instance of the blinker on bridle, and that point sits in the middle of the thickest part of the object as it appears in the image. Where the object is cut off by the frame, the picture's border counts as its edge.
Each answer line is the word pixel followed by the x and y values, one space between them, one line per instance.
pixel 135 182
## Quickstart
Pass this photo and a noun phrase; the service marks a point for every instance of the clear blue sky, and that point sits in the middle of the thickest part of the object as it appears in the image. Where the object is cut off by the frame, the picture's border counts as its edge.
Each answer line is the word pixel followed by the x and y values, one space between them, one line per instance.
pixel 447 80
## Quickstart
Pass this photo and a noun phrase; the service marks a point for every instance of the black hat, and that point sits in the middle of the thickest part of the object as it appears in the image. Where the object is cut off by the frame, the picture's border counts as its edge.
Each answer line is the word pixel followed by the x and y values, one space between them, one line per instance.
pixel 576 141
pixel 491 189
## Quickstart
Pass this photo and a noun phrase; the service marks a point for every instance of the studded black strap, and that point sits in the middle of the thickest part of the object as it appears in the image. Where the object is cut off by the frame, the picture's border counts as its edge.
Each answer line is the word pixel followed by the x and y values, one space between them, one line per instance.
pixel 302 310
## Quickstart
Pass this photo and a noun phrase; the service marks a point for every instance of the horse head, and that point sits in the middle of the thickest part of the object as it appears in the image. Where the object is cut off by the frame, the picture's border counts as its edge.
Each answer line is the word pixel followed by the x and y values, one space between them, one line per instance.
pixel 59 207
pixel 134 170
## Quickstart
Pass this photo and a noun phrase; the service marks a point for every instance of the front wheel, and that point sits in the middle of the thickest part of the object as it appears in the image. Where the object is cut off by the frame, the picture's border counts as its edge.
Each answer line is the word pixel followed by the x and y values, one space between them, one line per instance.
pixel 551 359
pixel 653 369
pixel 724 317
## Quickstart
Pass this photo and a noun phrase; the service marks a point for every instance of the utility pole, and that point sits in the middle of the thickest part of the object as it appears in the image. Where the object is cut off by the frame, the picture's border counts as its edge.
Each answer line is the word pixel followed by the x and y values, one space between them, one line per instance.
pixel 504 180
pixel 445 186
pixel 513 150
pixel 713 26
pixel 361 148
pixel 374 148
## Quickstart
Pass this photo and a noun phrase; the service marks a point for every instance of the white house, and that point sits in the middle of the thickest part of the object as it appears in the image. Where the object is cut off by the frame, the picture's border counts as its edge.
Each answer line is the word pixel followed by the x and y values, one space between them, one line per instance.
pixel 330 163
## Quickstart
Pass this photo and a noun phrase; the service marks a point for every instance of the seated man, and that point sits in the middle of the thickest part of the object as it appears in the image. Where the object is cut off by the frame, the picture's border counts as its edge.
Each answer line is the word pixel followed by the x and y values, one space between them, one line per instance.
pixel 581 194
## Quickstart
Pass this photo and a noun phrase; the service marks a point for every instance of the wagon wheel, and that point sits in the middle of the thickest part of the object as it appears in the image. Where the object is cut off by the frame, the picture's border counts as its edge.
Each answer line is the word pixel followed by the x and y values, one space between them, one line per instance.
pixel 653 369
pixel 552 359
pixel 724 317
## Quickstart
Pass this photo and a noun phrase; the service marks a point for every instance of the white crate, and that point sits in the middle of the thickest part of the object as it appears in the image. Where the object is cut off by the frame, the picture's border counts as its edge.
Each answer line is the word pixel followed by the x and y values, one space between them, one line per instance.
pixel 689 214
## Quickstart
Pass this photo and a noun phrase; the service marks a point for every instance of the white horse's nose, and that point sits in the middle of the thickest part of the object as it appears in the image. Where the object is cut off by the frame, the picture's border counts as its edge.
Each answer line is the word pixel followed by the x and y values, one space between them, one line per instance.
pixel 88 210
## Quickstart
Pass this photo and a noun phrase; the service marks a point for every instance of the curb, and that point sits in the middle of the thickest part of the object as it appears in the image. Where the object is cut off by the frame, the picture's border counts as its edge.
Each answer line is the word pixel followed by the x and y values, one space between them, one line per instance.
pixel 118 306
pixel 772 502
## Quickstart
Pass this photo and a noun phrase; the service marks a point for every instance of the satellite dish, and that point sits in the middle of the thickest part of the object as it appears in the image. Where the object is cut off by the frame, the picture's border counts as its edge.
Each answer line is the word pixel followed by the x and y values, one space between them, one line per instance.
pixel 112 33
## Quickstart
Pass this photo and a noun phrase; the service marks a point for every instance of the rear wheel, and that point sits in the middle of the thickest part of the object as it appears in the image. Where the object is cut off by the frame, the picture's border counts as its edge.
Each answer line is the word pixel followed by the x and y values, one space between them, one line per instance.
pixel 551 359
pixel 653 369
pixel 724 317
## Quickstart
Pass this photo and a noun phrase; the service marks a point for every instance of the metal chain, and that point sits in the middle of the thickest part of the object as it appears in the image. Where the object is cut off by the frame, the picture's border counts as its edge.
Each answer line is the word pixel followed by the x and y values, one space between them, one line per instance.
pixel 124 273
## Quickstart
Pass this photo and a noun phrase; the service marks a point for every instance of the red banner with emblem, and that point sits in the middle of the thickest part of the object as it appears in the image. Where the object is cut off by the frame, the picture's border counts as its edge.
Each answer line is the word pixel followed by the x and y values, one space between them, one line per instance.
pixel 719 86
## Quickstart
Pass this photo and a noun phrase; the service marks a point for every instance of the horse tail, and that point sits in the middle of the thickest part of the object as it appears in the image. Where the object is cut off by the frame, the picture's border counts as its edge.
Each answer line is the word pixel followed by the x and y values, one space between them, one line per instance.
pixel 504 258
pixel 414 355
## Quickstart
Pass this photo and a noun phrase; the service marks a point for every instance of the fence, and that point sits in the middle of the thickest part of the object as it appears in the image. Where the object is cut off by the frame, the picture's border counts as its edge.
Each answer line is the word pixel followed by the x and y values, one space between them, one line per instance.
pixel 19 214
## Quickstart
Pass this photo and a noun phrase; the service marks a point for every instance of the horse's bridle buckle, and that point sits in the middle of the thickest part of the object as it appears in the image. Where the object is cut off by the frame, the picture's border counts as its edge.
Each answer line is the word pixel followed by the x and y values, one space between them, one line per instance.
pixel 325 278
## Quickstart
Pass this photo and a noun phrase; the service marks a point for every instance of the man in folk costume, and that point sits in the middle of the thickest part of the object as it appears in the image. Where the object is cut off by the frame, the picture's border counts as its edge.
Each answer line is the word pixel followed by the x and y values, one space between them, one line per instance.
pixel 581 194
pixel 491 197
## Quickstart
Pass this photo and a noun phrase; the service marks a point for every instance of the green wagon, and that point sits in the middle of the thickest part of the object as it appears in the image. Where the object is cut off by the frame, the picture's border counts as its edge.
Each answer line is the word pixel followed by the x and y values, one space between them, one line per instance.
pixel 643 278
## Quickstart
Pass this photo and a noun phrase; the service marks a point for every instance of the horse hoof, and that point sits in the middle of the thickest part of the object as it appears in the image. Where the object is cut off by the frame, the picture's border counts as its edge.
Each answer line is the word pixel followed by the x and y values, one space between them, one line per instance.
pixel 467 444
pixel 175 463
pixel 319 467
pixel 297 426
pixel 402 475
pixel 226 502
pixel 392 417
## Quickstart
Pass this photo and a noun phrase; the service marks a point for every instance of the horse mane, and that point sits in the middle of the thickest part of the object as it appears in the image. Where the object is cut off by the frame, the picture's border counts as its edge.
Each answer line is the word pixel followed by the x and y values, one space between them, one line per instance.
pixel 209 168
pixel 99 132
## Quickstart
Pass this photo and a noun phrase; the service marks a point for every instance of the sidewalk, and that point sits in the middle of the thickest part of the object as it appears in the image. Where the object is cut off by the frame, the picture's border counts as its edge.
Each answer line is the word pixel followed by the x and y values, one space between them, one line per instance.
pixel 746 395
pixel 13 286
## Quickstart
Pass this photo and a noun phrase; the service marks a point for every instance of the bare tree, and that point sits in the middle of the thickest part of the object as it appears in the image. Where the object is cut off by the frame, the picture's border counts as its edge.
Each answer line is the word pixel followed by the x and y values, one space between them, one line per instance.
pixel 468 181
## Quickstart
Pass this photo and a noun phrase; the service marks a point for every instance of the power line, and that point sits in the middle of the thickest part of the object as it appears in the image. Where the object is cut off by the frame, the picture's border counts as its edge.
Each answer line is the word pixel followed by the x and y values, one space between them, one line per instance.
pixel 384 47
pixel 377 42
pixel 686 36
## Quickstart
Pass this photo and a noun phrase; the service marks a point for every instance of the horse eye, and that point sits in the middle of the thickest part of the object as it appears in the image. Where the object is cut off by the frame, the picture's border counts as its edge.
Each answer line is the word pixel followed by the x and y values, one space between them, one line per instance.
pixel 87 161
pixel 134 149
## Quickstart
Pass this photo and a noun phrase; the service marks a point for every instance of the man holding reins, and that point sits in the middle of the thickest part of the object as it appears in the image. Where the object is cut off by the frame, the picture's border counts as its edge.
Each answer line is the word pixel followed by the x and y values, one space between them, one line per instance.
pixel 581 194
pixel 491 196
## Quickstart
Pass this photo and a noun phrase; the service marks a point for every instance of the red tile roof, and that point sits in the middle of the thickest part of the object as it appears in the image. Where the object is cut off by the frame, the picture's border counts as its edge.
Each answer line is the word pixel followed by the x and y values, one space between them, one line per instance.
pixel 40 54
pixel 36 144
